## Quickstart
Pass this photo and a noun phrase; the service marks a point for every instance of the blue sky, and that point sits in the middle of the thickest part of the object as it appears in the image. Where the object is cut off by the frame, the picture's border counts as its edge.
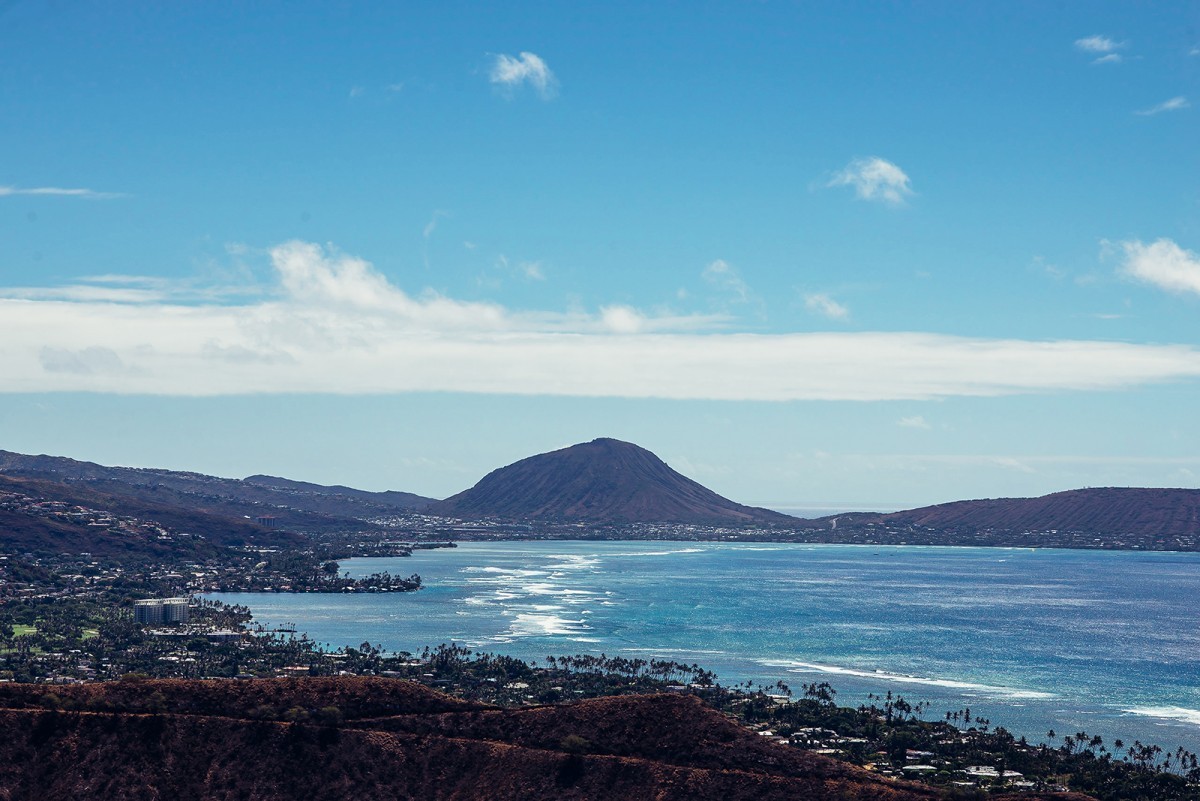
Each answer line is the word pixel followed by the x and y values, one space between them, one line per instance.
pixel 811 255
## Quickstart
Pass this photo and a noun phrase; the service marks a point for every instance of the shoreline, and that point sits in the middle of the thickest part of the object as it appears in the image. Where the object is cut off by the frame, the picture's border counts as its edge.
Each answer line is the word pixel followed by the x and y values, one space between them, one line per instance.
pixel 495 583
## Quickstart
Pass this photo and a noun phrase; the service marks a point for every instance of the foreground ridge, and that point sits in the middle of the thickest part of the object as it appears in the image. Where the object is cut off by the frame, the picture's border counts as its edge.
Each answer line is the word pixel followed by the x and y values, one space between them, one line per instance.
pixel 387 738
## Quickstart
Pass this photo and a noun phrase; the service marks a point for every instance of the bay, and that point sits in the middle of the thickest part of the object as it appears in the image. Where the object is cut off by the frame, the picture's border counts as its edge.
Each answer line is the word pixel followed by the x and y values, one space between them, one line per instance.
pixel 1102 641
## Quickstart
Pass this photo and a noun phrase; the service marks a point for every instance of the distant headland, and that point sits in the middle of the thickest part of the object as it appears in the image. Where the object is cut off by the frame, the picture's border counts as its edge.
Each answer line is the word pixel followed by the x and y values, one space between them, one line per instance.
pixel 605 489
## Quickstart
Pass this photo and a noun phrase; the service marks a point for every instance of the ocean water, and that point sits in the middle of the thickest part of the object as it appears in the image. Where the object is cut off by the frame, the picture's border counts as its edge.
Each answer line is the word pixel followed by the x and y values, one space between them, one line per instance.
pixel 1107 642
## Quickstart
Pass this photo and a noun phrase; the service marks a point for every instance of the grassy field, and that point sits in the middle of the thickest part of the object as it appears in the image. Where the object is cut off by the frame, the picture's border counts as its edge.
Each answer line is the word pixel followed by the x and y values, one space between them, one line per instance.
pixel 20 630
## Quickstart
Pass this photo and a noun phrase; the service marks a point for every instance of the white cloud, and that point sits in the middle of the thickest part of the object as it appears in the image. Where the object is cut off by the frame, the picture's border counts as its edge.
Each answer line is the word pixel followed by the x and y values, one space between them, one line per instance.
pixel 82 361
pixel 725 277
pixel 875 179
pixel 112 288
pixel 528 68
pixel 333 324
pixel 57 191
pixel 622 319
pixel 87 293
pixel 1174 104
pixel 1163 264
pixel 1098 44
pixel 916 421
pixel 1104 46
pixel 1013 464
pixel 822 304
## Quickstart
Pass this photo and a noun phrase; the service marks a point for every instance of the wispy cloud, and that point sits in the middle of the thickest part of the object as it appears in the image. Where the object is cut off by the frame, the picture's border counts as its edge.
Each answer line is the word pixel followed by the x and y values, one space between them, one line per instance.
pixel 1174 104
pixel 1098 44
pixel 332 323
pixel 1162 263
pixel 916 421
pixel 526 270
pixel 133 289
pixel 510 72
pixel 1102 46
pixel 57 191
pixel 820 303
pixel 726 278
pixel 85 292
pixel 427 234
pixel 431 226
pixel 875 179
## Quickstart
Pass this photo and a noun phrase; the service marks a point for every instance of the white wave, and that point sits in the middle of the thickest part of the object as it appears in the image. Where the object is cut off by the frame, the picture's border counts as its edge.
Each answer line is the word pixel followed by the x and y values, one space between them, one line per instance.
pixel 496 598
pixel 565 594
pixel 1176 713
pixel 880 675
pixel 657 553
pixel 863 628
pixel 543 588
pixel 505 571
pixel 770 548
pixel 572 561
pixel 656 652
pixel 527 624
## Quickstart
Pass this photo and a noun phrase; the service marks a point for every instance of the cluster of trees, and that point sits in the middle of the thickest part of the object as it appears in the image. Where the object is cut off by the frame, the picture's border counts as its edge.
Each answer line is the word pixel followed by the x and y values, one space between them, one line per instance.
pixel 93 637
pixel 888 723
pixel 893 725
pixel 70 638
pixel 662 670
pixel 314 570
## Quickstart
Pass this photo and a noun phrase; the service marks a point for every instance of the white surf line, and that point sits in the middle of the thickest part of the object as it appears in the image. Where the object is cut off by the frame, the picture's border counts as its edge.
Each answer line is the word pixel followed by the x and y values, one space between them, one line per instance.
pixel 1178 714
pixel 900 678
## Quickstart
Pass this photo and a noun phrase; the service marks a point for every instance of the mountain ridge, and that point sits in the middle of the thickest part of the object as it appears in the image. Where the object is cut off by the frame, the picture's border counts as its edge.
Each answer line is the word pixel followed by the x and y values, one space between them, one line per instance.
pixel 296 504
pixel 602 481
pixel 1104 510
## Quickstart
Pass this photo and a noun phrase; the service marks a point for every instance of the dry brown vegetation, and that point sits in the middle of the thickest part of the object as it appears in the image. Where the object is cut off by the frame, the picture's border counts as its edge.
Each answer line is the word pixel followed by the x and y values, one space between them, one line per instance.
pixel 368 738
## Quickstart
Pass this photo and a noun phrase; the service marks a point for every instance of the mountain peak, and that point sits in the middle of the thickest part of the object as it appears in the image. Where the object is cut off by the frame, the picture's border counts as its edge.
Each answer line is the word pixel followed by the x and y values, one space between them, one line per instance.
pixel 603 481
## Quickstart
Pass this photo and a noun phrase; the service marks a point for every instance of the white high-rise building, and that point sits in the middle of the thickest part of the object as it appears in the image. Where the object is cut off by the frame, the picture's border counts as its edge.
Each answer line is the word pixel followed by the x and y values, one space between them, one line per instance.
pixel 151 611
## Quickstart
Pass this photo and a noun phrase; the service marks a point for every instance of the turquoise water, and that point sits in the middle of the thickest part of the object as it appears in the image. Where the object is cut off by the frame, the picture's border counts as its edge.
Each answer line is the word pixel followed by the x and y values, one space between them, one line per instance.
pixel 1107 642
